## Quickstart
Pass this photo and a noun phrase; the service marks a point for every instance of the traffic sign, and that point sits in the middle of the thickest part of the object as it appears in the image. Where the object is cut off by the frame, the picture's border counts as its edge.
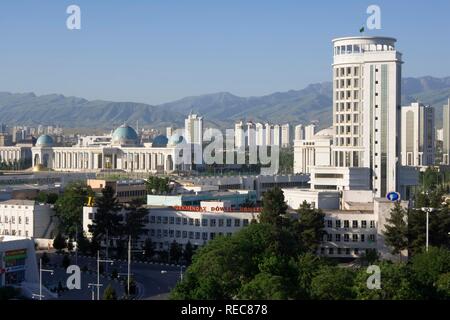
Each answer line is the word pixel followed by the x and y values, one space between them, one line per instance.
pixel 393 196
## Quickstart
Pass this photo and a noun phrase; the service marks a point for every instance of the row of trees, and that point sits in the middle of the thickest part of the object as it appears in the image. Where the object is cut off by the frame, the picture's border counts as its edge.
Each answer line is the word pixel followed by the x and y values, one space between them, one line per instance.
pixel 15 164
pixel 276 259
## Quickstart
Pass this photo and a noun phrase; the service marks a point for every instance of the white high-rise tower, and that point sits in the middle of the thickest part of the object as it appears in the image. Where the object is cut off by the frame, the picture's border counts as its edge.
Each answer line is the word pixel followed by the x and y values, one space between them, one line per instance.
pixel 366 108
pixel 193 129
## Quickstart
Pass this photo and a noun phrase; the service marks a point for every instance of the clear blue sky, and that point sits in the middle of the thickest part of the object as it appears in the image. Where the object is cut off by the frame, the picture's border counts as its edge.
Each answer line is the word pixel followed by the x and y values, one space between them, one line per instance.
pixel 160 50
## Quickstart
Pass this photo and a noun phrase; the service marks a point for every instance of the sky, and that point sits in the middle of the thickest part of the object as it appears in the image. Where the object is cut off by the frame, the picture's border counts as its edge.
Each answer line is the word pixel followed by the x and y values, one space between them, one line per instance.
pixel 156 51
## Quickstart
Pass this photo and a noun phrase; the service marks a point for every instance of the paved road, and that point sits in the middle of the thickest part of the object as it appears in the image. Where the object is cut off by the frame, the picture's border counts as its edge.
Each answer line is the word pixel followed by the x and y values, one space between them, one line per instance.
pixel 154 281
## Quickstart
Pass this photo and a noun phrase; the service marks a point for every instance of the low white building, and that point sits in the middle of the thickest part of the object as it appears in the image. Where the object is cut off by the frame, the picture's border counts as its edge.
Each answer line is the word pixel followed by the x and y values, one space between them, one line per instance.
pixel 350 233
pixel 26 218
pixel 195 224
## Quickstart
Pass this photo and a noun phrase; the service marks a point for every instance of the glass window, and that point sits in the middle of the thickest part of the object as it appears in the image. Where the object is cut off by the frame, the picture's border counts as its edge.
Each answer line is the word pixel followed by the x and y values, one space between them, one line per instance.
pixel 165 220
pixel 197 235
pixel 221 222
pixel 346 237
pixel 245 222
pixel 205 236
pixel 184 234
pixel 338 223
pixel 355 224
pixel 337 237
pixel 237 222
pixel 212 235
pixel 329 223
pixel 372 224
pixel 228 222
pixel 355 238
pixel 346 224
pixel 178 220
pixel 197 222
pixel 212 222
pixel 191 221
pixel 204 222
pixel 363 224
pixel 172 220
pixel 185 221
pixel 158 219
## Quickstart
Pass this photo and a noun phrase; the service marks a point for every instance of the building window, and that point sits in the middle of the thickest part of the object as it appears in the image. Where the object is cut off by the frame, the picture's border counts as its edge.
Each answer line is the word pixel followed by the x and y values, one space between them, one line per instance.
pixel 228 222
pixel 191 221
pixel 204 222
pixel 158 219
pixel 20 220
pixel 27 220
pixel 347 251
pixel 329 223
pixel 220 222
pixel 205 236
pixel 330 250
pixel 338 223
pixel 191 235
pixel 185 221
pixel 355 224
pixel 171 220
pixel 165 220
pixel 165 233
pixel 178 220
pixel 346 238
pixel 346 224
pixel 371 237
pixel 212 235
pixel 355 238
pixel 364 224
pixel 158 233
pixel 237 222
pixel 338 237
pixel 363 238
pixel 329 237
pixel 372 224
pixel 184 234
pixel 212 222
pixel 197 235
pixel 245 222
pixel 171 233
pixel 197 222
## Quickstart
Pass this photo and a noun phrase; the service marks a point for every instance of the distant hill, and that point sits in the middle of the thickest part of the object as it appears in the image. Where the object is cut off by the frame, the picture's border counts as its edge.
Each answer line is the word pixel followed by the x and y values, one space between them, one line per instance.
pixel 219 109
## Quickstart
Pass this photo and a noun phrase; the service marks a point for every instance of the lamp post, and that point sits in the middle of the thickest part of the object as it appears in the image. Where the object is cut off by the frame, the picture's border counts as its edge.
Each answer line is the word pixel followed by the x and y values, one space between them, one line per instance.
pixel 98 272
pixel 427 210
pixel 181 272
pixel 40 279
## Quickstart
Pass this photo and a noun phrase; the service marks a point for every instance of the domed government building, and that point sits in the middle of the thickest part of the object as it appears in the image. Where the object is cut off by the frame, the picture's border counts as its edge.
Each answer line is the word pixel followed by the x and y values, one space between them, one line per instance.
pixel 122 151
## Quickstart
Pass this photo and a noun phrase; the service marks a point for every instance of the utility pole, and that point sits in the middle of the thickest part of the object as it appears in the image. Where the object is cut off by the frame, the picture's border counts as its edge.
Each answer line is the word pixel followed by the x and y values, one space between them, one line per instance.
pixel 40 279
pixel 98 272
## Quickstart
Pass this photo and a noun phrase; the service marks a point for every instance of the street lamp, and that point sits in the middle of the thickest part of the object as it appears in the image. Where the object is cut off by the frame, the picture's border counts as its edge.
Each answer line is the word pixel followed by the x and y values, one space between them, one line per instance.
pixel 181 272
pixel 40 279
pixel 98 272
pixel 428 210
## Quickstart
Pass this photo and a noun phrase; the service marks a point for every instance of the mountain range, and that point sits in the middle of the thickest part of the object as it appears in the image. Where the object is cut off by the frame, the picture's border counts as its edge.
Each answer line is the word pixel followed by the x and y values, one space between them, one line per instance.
pixel 313 103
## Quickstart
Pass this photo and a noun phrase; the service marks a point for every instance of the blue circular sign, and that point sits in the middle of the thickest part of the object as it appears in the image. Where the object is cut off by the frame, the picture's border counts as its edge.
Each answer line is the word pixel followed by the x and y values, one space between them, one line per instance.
pixel 393 196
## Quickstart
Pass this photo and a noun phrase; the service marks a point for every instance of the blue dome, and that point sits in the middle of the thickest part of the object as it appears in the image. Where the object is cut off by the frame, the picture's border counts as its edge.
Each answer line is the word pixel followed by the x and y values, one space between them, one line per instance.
pixel 125 135
pixel 175 139
pixel 44 141
pixel 160 141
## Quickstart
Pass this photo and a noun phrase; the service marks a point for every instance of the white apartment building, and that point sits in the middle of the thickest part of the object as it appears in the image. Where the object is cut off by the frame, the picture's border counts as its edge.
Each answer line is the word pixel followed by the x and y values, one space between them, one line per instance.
pixel 251 134
pixel 26 218
pixel 309 131
pixel 417 135
pixel 440 134
pixel 269 134
pixel 193 129
pixel 239 135
pixel 318 199
pixel 260 134
pixel 446 134
pixel 277 135
pixel 286 135
pixel 299 132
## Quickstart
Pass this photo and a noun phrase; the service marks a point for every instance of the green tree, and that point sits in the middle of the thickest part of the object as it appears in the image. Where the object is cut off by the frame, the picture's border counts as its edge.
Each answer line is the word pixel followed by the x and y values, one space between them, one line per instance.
pixel 59 243
pixel 333 283
pixel 107 220
pixel 65 261
pixel 396 283
pixel 83 244
pixel 45 258
pixel 175 251
pixel 264 287
pixel 188 252
pixel 443 286
pixel 310 227
pixel 47 197
pixel 135 216
pixel 273 207
pixel 148 248
pixel 110 293
pixel 427 267
pixel 396 234
pixel 308 265
pixel 157 185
